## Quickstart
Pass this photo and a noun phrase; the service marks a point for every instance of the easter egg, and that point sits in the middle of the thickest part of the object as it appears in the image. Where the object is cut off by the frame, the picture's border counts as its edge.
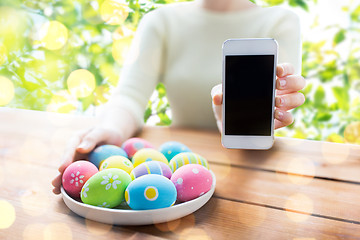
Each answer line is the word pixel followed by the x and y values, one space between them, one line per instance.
pixel 191 181
pixel 105 151
pixel 75 175
pixel 132 145
pixel 106 188
pixel 146 155
pixel 152 167
pixel 150 191
pixel 117 162
pixel 172 148
pixel 182 159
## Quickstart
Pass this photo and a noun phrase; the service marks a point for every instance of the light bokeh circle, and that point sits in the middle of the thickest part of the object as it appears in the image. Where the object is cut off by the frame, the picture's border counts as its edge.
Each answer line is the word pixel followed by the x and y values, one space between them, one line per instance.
pixel 53 35
pixel 34 232
pixel 113 12
pixel 299 207
pixel 81 83
pixel 57 231
pixel 3 54
pixel 352 133
pixel 8 214
pixel 7 91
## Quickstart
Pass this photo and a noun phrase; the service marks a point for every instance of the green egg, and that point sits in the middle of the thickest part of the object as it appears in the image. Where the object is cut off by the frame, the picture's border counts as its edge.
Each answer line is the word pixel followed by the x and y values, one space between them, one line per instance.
pixel 106 188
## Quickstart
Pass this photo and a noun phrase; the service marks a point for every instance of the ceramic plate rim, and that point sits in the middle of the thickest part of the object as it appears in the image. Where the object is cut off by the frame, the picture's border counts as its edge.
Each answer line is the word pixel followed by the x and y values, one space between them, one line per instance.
pixel 205 198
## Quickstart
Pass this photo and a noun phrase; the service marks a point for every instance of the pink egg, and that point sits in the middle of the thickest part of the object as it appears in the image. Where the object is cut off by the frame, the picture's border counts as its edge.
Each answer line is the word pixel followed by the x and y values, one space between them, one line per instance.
pixel 75 176
pixel 191 181
pixel 132 145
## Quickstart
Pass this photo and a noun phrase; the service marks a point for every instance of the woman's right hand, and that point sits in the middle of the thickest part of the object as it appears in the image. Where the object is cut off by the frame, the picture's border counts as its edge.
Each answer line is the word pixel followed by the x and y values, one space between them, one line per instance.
pixel 82 144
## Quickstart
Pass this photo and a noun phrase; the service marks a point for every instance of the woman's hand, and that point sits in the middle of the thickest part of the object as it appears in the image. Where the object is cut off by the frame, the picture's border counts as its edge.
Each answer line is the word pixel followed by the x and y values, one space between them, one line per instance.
pixel 287 96
pixel 81 145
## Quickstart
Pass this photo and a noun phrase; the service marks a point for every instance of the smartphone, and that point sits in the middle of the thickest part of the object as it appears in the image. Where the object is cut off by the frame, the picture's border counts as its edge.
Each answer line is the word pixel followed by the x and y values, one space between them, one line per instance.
pixel 249 74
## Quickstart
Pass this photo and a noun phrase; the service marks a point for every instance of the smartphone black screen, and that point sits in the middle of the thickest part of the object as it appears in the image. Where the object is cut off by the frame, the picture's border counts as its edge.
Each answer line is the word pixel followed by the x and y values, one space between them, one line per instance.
pixel 248 94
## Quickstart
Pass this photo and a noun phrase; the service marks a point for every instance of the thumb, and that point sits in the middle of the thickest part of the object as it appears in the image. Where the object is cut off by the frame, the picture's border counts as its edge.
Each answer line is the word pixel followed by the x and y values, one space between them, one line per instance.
pixel 216 94
pixel 90 140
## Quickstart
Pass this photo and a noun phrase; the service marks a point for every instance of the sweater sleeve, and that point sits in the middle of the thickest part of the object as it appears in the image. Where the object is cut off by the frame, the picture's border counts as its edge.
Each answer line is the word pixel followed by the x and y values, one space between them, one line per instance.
pixel 286 30
pixel 141 70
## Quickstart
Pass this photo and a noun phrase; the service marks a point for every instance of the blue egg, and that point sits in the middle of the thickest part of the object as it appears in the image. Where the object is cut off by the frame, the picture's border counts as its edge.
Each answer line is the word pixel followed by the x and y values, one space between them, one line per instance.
pixel 172 148
pixel 151 191
pixel 103 152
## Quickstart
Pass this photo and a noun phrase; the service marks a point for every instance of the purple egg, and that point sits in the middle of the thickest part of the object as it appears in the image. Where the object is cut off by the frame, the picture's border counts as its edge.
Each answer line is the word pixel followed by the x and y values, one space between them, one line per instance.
pixel 151 167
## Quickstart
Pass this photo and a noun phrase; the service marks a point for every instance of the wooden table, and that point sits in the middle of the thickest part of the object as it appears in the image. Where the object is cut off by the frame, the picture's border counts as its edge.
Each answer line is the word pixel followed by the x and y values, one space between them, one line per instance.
pixel 297 190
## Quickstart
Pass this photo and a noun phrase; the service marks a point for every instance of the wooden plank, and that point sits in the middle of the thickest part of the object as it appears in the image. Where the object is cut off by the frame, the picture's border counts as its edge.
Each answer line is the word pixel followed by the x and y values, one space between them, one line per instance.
pixel 39 212
pixel 296 193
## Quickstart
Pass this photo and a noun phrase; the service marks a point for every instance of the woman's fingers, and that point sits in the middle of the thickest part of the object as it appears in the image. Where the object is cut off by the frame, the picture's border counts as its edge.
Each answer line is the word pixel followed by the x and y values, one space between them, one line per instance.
pixel 282 118
pixel 289 101
pixel 90 140
pixel 70 152
pixel 81 145
pixel 216 94
pixel 284 69
pixel 291 83
pixel 57 183
pixel 217 99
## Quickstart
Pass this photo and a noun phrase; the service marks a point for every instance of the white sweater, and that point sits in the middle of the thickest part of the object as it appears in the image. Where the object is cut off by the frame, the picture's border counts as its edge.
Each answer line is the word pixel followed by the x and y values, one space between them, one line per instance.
pixel 180 45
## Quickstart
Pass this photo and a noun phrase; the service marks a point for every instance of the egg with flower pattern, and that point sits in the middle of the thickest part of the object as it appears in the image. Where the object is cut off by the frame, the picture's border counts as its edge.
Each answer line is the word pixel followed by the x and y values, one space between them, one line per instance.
pixel 75 176
pixel 191 181
pixel 184 158
pixel 151 191
pixel 106 188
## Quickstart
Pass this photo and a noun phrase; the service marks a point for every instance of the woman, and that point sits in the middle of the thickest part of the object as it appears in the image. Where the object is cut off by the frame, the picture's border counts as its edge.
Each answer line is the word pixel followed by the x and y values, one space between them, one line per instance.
pixel 180 45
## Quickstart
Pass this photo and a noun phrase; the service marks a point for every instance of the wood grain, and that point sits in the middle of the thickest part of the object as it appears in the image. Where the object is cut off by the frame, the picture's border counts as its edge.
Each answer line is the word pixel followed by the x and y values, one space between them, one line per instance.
pixel 37 208
pixel 300 189
pixel 288 155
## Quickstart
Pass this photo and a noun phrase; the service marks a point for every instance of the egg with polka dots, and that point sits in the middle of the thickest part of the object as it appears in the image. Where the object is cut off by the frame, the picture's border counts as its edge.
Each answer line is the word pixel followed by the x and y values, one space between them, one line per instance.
pixel 132 145
pixel 151 191
pixel 75 176
pixel 191 181
pixel 172 148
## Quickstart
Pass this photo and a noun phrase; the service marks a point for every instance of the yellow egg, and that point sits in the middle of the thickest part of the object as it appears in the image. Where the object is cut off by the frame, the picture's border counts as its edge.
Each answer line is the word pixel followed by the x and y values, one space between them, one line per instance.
pixel 148 154
pixel 117 162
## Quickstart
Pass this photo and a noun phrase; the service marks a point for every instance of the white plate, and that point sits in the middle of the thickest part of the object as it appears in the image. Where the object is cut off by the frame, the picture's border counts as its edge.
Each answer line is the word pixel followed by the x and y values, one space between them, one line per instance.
pixel 137 217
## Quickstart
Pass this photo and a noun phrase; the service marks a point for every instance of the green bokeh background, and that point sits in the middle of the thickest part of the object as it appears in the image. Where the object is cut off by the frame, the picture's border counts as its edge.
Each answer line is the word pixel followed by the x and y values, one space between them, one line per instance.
pixel 331 65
